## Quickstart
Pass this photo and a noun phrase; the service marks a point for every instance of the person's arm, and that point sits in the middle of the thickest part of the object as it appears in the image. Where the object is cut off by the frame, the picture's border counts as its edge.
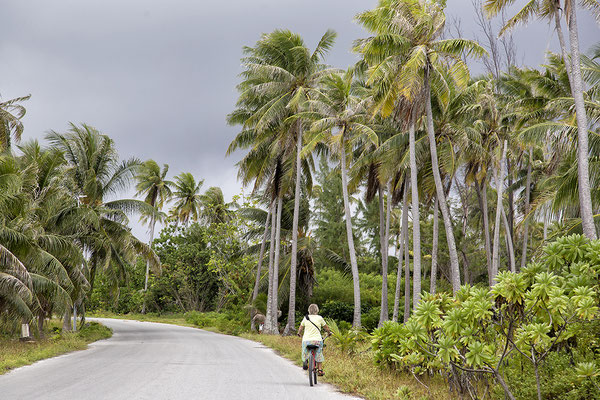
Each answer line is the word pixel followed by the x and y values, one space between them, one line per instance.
pixel 300 330
pixel 327 330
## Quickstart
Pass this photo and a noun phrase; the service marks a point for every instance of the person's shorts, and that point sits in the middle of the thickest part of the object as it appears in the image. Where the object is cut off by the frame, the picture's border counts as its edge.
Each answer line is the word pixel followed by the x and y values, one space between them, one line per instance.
pixel 318 353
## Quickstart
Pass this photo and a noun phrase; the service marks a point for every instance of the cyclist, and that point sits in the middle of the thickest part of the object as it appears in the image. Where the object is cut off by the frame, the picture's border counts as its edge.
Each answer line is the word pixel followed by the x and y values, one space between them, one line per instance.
pixel 310 330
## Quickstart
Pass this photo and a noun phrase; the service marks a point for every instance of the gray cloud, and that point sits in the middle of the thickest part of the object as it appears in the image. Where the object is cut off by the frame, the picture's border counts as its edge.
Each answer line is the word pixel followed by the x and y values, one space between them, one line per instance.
pixel 159 76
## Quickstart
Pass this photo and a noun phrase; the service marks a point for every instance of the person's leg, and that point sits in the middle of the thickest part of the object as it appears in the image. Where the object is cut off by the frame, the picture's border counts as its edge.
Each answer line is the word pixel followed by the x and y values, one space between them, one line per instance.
pixel 304 356
pixel 320 358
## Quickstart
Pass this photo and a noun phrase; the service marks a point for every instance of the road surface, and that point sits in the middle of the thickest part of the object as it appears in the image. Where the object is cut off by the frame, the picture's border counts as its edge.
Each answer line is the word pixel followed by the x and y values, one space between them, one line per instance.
pixel 146 360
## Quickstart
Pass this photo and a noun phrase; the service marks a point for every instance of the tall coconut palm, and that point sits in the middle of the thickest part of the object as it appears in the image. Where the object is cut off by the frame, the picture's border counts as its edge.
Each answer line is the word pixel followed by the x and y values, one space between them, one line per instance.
pixel 96 174
pixel 410 31
pixel 421 67
pixel 41 257
pixel 280 74
pixel 385 53
pixel 340 116
pixel 153 185
pixel 551 9
pixel 186 193
pixel 557 190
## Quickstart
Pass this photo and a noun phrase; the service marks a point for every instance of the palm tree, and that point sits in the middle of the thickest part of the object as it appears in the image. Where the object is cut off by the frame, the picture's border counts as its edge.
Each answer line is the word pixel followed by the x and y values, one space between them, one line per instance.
pixel 427 50
pixel 280 74
pixel 153 185
pixel 214 208
pixel 550 9
pixel 556 192
pixel 42 264
pixel 96 173
pixel 385 53
pixel 186 192
pixel 412 30
pixel 341 117
pixel 11 126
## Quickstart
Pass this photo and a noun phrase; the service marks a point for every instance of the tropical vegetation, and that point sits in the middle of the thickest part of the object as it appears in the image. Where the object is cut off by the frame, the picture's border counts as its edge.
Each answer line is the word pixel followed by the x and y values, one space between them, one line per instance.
pixel 349 171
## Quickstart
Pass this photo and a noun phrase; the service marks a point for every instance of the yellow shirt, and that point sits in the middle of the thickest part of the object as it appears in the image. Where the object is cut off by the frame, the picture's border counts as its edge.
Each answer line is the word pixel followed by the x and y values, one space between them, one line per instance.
pixel 310 331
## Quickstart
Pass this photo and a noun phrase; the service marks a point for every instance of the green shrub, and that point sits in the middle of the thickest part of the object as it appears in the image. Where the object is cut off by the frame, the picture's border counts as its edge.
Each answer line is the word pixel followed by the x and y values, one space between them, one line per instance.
pixel 370 319
pixel 542 319
pixel 559 380
pixel 232 323
pixel 337 310
pixel 347 341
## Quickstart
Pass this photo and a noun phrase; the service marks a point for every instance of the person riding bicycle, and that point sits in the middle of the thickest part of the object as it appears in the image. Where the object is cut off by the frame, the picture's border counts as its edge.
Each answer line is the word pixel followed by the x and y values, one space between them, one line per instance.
pixel 310 330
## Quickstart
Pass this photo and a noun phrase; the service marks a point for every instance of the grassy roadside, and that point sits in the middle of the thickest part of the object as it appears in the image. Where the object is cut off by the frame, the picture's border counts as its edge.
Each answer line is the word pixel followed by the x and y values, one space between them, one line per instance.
pixel 355 373
pixel 206 321
pixel 14 353
pixel 173 319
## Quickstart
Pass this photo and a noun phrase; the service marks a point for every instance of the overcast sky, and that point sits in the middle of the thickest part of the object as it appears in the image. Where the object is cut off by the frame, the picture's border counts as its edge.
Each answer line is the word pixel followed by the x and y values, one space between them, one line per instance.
pixel 159 76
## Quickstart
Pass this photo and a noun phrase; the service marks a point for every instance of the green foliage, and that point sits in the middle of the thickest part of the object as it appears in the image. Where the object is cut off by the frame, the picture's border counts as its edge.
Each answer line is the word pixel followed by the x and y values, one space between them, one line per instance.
pixel 230 322
pixel 126 298
pixel 335 285
pixel 346 340
pixel 330 223
pixel 337 310
pixel 526 320
pixel 186 282
pixel 403 393
pixel 560 379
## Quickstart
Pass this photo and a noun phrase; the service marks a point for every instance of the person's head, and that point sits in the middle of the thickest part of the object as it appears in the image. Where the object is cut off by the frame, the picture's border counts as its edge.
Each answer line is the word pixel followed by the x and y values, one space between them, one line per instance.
pixel 313 309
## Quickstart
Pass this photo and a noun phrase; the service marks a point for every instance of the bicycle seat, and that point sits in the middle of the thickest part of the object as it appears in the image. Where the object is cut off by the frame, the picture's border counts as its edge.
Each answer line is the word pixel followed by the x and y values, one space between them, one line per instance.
pixel 312 347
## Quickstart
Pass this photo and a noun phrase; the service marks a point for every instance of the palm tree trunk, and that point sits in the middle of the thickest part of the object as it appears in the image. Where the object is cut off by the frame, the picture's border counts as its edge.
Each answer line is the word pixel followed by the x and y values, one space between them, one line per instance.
pixel 583 173
pixel 291 320
pixel 401 245
pixel 439 188
pixel 259 267
pixel 66 327
pixel 499 174
pixel 384 235
pixel 545 229
pixel 511 202
pixel 406 275
pixel 563 47
pixel 272 313
pixel 271 260
pixel 509 243
pixel 415 209
pixel 356 321
pixel 434 247
pixel 482 198
pixel 152 224
pixel 527 211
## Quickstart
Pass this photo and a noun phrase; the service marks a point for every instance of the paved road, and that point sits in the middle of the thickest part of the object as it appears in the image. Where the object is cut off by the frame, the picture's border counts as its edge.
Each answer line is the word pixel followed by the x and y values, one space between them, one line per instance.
pixel 146 360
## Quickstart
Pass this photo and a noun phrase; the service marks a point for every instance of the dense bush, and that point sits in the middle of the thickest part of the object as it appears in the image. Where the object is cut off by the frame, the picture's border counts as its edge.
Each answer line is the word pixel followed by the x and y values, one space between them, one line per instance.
pixel 334 285
pixel 338 310
pixel 529 324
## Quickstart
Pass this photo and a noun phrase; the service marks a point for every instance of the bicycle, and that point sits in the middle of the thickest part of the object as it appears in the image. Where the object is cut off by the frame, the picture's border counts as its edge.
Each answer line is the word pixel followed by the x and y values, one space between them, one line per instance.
pixel 312 363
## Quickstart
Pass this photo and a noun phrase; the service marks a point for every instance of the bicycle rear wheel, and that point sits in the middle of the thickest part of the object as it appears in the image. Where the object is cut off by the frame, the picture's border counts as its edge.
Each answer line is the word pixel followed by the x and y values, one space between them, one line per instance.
pixel 311 368
pixel 315 372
